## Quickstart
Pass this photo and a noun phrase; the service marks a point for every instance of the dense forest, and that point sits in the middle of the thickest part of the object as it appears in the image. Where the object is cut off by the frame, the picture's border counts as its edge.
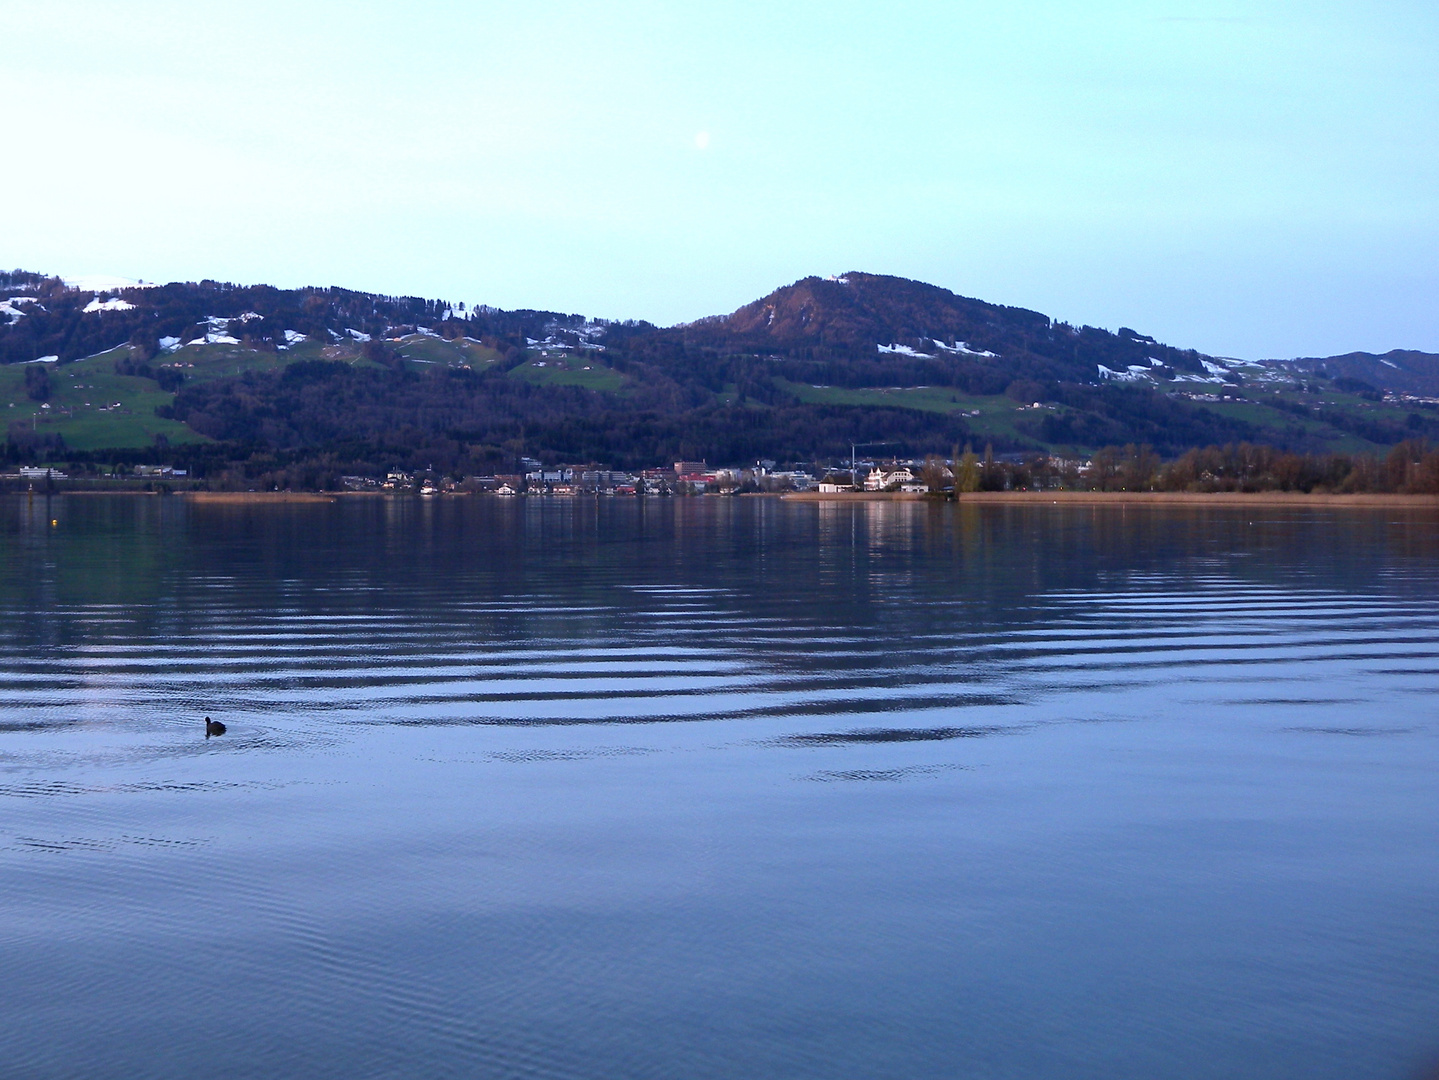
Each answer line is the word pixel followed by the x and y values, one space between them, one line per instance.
pixel 468 420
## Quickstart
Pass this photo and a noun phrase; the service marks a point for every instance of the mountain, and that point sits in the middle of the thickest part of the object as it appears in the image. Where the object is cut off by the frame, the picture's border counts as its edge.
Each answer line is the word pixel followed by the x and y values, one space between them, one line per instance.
pixel 1400 370
pixel 858 316
pixel 864 311
pixel 366 381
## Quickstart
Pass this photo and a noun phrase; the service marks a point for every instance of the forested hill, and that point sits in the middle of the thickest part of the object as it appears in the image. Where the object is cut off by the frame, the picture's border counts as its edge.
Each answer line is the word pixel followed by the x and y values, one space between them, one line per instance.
pixel 41 317
pixel 1400 370
pixel 367 380
pixel 894 324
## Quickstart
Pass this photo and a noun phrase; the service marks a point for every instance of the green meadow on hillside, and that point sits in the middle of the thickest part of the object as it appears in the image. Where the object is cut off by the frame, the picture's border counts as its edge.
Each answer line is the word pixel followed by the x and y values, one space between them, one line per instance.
pixel 91 407
pixel 558 369
pixel 989 417
pixel 427 349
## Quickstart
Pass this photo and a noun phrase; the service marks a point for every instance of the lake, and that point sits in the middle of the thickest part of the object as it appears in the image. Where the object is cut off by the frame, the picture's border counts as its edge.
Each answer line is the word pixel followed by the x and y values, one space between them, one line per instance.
pixel 715 788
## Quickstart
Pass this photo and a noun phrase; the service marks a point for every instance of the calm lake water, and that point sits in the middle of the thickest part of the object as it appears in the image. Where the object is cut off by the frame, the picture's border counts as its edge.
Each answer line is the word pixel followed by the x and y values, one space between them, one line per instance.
pixel 716 788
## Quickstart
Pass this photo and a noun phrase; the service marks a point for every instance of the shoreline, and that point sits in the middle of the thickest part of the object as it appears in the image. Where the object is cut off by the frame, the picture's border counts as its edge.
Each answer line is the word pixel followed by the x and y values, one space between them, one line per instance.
pixel 1142 498
pixel 975 498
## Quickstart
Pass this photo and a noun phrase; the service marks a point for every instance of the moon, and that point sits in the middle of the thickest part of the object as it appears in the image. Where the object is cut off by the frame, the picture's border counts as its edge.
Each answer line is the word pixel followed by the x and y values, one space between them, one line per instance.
pixel 702 140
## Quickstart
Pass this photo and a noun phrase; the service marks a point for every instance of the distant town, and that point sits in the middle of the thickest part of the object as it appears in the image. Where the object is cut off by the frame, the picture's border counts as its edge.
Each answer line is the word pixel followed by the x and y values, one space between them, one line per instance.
pixel 680 478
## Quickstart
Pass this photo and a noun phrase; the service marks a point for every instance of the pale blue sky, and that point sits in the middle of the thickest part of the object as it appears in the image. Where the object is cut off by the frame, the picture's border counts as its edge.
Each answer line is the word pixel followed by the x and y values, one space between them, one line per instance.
pixel 1257 179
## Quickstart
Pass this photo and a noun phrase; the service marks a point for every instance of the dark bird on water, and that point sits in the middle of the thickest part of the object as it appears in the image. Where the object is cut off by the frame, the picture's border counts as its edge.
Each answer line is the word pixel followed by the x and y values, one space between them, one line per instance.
pixel 213 727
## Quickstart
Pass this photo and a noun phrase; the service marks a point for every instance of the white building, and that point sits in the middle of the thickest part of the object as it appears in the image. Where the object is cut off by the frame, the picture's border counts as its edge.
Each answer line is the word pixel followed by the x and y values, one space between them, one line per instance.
pixel 881 479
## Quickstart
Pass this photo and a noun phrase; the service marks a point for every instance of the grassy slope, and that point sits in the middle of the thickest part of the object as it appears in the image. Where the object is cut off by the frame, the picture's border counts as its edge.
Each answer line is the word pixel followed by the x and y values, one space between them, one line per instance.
pixel 1257 412
pixel 996 419
pixel 81 403
pixel 554 369
pixel 84 392
pixel 423 349
pixel 1257 408
pixel 997 415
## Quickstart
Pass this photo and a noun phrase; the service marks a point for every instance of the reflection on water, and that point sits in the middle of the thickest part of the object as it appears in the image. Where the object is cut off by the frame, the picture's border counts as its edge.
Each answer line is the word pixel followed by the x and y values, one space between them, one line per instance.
pixel 712 788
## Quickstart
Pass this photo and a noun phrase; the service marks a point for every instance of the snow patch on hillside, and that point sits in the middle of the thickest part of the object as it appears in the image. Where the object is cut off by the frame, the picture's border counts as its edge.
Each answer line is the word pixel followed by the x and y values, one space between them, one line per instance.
pixel 216 335
pixel 14 314
pixel 904 350
pixel 115 304
pixel 218 332
pixel 962 348
pixel 1133 373
pixel 554 339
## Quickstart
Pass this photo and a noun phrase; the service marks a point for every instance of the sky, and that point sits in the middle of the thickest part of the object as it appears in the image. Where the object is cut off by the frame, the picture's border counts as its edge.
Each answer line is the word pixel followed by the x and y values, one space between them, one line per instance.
pixel 1255 179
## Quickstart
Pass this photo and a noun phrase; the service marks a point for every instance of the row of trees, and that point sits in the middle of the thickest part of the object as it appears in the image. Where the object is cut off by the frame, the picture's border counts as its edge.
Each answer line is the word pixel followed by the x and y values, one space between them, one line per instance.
pixel 1411 467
